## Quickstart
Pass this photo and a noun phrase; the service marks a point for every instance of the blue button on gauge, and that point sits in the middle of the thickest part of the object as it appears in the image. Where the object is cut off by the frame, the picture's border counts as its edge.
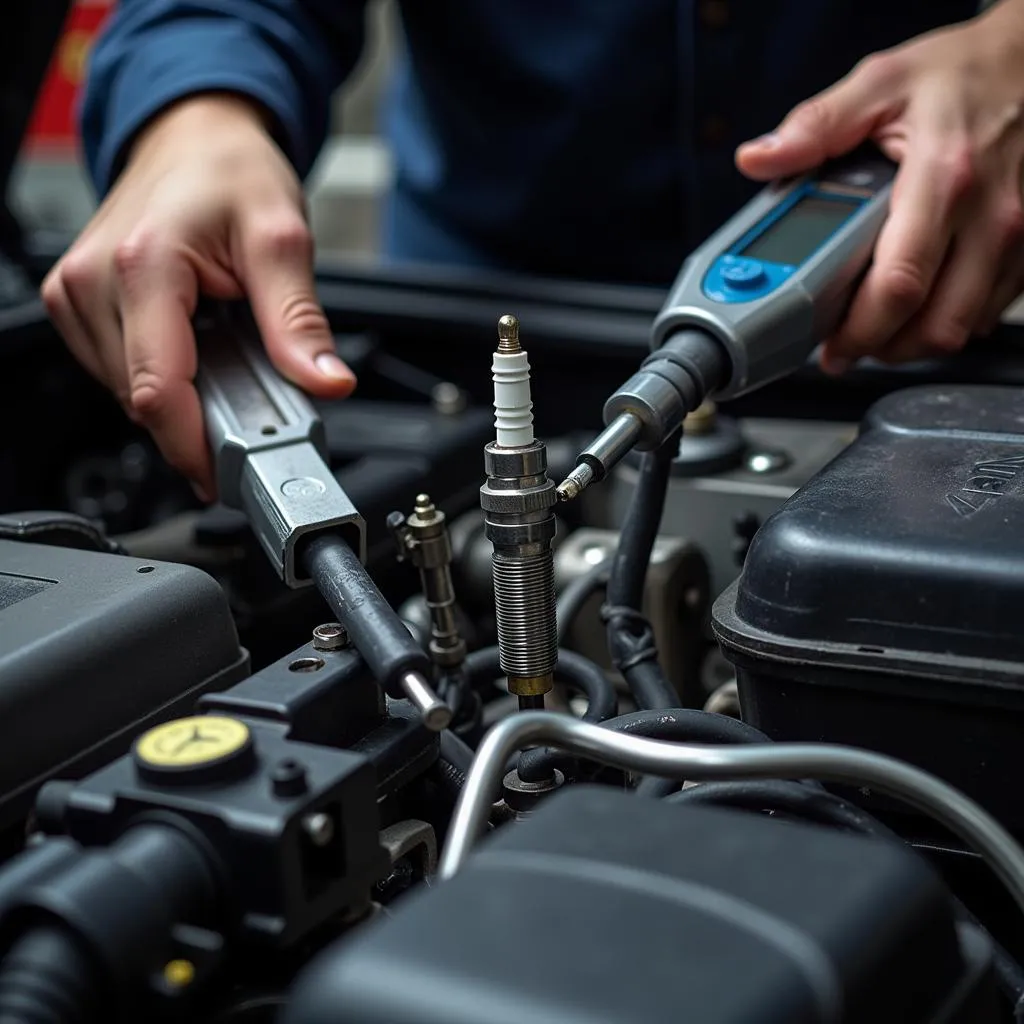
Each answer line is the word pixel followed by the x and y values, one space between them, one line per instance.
pixel 741 273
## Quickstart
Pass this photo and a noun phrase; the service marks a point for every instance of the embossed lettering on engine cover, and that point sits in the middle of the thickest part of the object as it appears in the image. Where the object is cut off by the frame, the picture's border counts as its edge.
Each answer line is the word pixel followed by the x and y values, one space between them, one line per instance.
pixel 989 480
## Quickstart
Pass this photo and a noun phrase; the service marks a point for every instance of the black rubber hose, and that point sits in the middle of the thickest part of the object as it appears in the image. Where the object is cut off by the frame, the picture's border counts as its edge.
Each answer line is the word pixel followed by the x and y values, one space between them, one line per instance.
pixel 641 524
pixel 575 671
pixel 630 636
pixel 449 778
pixel 653 787
pixel 576 594
pixel 47 977
pixel 787 797
pixel 456 751
pixel 647 682
pixel 587 677
pixel 710 728
pixel 453 689
pixel 683 725
pixel 686 725
pixel 482 667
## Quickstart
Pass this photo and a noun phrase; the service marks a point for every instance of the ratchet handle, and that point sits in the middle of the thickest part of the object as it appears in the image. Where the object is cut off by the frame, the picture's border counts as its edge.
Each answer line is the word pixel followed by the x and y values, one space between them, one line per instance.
pixel 269 448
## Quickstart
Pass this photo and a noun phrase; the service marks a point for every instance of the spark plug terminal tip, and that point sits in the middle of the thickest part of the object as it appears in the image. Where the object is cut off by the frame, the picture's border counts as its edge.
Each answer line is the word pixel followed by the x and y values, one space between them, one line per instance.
pixel 508 334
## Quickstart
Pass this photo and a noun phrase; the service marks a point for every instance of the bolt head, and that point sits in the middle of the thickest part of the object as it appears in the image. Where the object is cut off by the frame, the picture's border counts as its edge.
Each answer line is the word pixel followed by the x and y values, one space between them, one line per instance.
pixel 330 636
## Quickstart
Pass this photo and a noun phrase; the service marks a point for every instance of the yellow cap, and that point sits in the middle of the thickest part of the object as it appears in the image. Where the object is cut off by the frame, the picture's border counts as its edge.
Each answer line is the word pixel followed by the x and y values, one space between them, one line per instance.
pixel 191 742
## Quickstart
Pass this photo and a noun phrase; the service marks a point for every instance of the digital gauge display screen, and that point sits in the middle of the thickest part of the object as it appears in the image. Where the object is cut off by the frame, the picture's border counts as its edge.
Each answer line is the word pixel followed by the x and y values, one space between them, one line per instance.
pixel 801 230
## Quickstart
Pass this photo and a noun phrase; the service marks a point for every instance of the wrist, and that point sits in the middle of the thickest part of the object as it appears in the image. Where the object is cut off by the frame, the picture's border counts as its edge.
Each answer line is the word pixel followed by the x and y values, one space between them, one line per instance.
pixel 197 116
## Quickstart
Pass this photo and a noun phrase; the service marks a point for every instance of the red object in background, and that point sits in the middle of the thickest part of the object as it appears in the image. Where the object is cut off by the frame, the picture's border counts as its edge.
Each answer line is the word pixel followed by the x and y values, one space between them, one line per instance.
pixel 53 123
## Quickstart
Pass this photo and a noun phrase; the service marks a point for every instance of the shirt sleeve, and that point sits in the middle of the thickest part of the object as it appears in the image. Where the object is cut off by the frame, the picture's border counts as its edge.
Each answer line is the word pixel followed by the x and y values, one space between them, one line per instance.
pixel 289 55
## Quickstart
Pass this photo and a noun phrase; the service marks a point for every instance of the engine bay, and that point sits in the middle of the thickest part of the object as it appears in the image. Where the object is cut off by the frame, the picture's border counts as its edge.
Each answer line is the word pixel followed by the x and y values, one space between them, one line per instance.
pixel 758 769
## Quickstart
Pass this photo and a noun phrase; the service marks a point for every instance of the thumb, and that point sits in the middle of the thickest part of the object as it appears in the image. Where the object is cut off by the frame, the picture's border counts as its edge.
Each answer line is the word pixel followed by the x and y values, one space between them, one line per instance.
pixel 277 273
pixel 828 125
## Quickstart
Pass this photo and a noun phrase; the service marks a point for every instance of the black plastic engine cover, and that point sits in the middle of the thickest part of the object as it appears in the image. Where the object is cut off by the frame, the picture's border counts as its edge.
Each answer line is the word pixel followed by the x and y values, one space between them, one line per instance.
pixel 94 648
pixel 880 605
pixel 609 908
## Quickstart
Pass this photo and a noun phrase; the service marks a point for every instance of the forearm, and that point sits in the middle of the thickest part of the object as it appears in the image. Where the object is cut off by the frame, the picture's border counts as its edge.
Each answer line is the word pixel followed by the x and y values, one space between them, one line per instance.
pixel 286 56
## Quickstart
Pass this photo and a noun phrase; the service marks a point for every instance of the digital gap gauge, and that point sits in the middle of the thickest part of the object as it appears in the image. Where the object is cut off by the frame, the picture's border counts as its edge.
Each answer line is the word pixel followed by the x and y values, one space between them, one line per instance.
pixel 750 305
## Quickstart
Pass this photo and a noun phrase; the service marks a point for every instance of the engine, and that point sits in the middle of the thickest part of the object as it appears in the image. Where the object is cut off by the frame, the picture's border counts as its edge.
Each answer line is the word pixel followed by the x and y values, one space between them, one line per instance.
pixel 729 739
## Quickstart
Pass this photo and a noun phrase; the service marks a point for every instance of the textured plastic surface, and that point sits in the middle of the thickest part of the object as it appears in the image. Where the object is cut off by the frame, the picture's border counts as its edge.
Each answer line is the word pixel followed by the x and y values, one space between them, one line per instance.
pixel 93 650
pixel 913 538
pixel 880 605
pixel 604 907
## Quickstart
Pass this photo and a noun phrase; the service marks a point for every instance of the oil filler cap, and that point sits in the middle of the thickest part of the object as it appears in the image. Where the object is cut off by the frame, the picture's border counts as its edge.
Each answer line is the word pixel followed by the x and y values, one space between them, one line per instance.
pixel 198 749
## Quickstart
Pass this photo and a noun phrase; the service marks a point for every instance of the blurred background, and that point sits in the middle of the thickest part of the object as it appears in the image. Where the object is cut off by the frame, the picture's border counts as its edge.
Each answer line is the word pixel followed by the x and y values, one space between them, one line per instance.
pixel 51 193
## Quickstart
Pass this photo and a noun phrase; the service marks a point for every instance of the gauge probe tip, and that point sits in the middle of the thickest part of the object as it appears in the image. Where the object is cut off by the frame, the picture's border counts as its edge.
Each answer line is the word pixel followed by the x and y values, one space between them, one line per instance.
pixel 614 442
pixel 575 483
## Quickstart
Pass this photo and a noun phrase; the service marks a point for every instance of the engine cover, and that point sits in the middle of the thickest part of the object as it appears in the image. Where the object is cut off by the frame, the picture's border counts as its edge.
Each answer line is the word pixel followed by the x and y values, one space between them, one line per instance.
pixel 880 606
pixel 606 908
pixel 94 648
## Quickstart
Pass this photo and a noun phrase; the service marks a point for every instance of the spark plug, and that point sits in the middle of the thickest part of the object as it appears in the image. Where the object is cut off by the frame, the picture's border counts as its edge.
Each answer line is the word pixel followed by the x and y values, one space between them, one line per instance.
pixel 518 500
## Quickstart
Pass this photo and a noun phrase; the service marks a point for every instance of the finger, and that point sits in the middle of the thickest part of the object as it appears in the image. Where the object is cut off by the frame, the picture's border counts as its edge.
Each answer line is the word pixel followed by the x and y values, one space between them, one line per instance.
pixel 910 251
pixel 71 329
pixel 966 284
pixel 157 291
pixel 1008 289
pixel 277 271
pixel 829 124
pixel 89 293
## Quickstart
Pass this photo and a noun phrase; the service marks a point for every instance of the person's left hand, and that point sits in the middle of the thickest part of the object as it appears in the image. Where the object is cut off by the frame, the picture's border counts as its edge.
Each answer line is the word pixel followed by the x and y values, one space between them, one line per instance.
pixel 949 107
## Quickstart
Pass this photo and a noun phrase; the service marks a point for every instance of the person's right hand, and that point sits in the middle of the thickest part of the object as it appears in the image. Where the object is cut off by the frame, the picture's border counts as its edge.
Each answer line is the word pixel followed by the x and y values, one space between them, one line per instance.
pixel 206 205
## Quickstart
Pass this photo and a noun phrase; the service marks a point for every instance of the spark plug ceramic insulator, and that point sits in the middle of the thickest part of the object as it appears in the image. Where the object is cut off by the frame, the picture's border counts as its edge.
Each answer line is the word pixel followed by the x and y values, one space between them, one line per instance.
pixel 513 405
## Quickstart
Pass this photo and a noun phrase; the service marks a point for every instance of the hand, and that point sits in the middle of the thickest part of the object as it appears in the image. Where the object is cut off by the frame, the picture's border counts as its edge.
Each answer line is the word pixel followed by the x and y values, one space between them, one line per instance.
pixel 207 204
pixel 949 107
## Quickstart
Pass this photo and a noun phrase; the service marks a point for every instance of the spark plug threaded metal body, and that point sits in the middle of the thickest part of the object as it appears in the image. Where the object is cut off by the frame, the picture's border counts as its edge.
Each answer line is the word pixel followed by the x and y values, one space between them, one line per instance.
pixel 518 500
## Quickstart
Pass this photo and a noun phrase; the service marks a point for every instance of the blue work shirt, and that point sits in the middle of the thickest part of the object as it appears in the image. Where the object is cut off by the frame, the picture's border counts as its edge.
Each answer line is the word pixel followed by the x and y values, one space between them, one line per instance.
pixel 584 138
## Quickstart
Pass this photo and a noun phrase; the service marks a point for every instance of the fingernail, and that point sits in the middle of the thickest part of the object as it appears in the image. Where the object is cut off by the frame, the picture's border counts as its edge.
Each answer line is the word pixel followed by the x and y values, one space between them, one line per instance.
pixel 769 141
pixel 331 366
pixel 201 493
